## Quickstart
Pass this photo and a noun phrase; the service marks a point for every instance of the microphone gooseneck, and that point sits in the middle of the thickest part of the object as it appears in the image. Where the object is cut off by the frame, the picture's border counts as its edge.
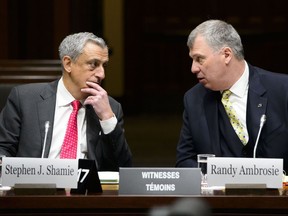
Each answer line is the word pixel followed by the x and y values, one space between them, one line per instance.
pixel 262 122
pixel 47 125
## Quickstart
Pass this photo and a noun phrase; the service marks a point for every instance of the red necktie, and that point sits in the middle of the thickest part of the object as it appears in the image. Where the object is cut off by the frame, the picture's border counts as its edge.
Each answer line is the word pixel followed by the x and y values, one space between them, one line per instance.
pixel 69 147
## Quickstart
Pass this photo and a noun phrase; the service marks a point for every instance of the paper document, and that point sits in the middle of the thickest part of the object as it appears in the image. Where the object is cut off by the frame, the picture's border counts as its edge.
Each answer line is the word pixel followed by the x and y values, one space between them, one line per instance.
pixel 107 177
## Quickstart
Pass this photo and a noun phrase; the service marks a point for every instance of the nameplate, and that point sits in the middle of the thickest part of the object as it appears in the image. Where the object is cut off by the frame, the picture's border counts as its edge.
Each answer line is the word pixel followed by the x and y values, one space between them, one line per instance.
pixel 62 172
pixel 224 170
pixel 159 181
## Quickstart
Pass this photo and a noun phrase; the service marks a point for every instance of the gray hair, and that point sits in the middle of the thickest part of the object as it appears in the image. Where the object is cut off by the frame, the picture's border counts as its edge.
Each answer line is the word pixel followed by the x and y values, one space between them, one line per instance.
pixel 73 44
pixel 218 34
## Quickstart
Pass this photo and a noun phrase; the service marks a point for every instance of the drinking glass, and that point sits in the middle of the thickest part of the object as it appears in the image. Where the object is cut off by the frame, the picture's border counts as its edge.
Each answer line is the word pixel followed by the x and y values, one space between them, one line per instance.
pixel 202 163
pixel 1 157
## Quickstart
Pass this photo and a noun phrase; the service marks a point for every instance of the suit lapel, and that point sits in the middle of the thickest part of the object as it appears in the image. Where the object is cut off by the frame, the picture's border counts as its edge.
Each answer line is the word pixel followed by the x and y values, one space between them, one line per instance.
pixel 46 111
pixel 256 107
pixel 211 109
pixel 256 104
pixel 93 132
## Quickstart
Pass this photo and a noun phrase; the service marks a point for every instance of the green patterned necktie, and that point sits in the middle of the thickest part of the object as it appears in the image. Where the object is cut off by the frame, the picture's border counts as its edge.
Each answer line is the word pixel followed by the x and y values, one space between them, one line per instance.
pixel 233 116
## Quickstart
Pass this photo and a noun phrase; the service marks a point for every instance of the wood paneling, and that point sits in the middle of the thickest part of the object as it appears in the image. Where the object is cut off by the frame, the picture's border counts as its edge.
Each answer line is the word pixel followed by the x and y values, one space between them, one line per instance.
pixel 3 28
pixel 110 203
pixel 28 71
pixel 32 29
pixel 157 62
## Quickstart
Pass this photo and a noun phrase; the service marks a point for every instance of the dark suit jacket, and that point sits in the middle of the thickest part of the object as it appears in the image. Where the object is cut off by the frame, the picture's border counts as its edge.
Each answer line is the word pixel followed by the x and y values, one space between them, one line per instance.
pixel 22 129
pixel 201 133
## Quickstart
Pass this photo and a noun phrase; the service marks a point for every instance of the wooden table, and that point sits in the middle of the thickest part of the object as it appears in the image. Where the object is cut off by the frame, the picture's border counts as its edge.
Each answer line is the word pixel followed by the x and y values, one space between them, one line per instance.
pixel 111 203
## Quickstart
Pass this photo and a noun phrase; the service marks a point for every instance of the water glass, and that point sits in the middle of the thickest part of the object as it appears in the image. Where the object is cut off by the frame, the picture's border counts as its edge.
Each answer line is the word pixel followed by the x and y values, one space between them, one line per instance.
pixel 202 163
pixel 1 157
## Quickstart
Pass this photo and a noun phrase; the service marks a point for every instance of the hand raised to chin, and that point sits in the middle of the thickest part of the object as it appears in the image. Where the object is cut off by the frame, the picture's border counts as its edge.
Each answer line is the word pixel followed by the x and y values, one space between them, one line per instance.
pixel 98 99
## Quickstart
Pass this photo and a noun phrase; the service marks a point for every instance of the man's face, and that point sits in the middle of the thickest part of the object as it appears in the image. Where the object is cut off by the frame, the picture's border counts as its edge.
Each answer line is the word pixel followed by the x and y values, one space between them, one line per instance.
pixel 89 66
pixel 208 65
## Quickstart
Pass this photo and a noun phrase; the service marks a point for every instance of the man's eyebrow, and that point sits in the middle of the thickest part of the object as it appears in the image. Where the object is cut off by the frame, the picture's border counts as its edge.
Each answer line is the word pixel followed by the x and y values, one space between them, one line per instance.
pixel 94 60
pixel 197 55
pixel 97 61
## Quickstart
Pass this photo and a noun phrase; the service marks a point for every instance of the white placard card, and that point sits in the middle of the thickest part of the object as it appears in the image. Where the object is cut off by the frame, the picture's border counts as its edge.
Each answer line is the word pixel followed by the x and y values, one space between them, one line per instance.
pixel 225 170
pixel 62 172
pixel 159 181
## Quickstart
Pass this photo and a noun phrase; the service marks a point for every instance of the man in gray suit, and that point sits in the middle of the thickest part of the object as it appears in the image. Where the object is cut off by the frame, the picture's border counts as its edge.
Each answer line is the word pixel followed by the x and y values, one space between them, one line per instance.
pixel 100 118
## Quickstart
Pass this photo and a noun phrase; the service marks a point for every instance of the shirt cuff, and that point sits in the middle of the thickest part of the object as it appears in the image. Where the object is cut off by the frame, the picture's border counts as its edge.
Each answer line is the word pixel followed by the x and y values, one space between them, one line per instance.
pixel 108 125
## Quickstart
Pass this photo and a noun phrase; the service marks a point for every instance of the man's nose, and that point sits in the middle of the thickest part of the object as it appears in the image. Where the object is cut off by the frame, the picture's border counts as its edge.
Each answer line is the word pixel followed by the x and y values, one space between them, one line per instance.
pixel 194 68
pixel 100 72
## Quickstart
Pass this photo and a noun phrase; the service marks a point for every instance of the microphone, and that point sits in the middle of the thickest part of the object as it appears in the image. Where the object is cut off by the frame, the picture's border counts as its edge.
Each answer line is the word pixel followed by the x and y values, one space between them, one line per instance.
pixel 262 122
pixel 47 125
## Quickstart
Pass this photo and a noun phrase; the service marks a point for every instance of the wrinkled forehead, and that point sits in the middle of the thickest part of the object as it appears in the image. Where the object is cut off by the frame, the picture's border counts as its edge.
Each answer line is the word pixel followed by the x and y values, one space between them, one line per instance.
pixel 200 47
pixel 94 51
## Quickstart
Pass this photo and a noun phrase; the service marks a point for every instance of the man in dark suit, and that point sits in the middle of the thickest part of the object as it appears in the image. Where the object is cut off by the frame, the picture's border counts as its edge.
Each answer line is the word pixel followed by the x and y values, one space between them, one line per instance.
pixel 218 62
pixel 100 117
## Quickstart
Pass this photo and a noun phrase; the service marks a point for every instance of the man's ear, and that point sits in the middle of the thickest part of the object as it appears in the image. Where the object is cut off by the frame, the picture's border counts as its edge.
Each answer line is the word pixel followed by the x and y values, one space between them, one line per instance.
pixel 227 52
pixel 67 61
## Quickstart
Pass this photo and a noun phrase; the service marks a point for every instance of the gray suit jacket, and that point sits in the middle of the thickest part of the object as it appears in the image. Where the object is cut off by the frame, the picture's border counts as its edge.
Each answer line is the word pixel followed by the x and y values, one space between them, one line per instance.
pixel 22 129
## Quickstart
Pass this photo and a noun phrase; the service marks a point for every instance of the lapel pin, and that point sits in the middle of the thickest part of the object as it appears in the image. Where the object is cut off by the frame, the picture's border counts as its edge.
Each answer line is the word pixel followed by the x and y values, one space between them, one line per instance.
pixel 259 105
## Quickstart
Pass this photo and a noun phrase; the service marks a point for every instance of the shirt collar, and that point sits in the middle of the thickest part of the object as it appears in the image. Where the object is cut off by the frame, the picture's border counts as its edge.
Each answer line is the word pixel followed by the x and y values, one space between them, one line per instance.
pixel 241 86
pixel 64 98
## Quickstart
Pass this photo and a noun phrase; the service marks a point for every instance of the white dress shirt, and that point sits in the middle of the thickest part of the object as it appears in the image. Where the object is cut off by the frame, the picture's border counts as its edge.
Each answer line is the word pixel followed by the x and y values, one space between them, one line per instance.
pixel 239 96
pixel 63 110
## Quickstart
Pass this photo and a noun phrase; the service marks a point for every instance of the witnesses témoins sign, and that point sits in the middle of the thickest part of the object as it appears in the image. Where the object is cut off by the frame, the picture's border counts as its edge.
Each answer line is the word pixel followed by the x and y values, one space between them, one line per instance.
pixel 159 181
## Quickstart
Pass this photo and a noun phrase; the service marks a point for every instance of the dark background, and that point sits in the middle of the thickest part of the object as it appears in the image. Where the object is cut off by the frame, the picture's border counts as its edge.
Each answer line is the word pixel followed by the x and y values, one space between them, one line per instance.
pixel 156 63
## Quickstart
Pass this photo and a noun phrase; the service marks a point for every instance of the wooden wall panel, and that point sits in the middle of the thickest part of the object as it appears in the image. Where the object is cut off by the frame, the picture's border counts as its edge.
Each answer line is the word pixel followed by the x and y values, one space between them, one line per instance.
pixel 3 28
pixel 157 62
pixel 33 29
